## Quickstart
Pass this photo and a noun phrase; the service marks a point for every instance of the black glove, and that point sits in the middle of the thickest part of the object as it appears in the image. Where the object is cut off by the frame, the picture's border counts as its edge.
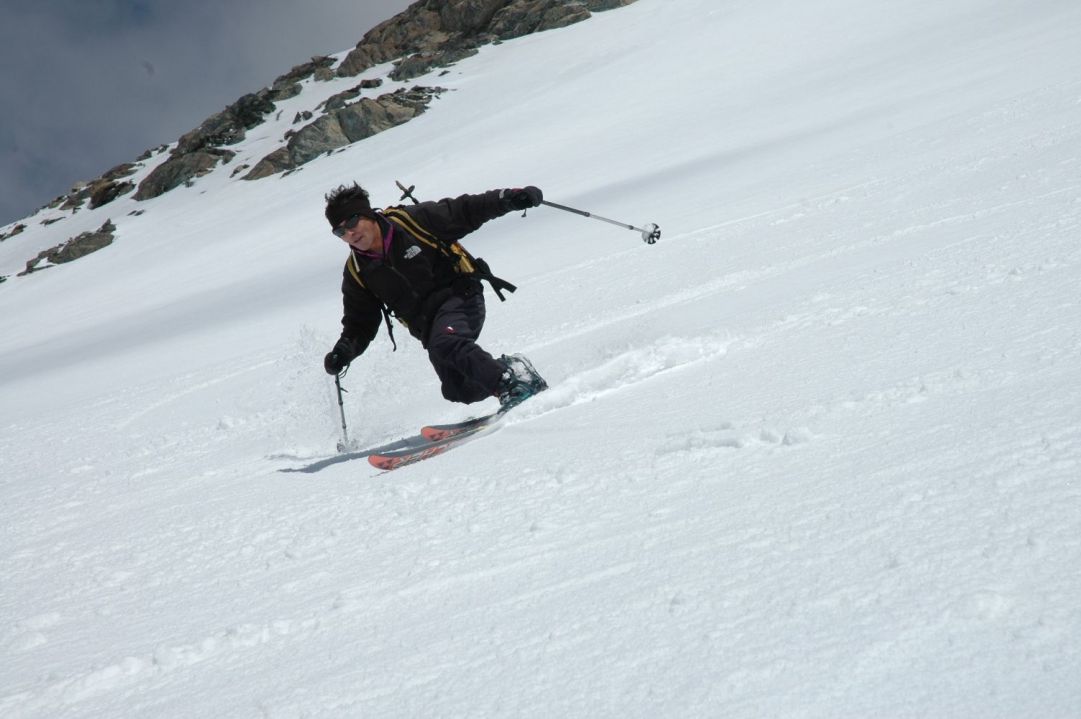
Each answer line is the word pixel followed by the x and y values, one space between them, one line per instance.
pixel 339 357
pixel 521 198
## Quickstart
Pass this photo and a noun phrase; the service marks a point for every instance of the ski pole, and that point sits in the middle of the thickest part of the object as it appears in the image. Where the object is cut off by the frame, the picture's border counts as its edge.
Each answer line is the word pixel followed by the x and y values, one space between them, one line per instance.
pixel 407 192
pixel 344 444
pixel 650 233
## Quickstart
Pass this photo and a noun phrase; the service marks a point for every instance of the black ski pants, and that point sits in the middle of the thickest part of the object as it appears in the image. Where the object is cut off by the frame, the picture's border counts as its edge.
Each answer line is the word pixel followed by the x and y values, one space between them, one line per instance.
pixel 468 373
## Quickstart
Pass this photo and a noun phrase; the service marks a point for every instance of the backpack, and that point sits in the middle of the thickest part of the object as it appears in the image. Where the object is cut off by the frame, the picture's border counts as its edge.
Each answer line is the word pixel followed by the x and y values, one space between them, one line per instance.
pixel 463 262
pixel 460 259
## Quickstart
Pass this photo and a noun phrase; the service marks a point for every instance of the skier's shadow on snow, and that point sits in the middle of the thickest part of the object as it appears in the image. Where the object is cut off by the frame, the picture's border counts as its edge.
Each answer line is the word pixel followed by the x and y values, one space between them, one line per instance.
pixel 407 443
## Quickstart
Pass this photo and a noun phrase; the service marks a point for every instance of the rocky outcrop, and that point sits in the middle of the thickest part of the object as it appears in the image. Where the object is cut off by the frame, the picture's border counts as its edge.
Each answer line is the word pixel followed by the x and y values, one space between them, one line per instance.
pixel 288 85
pixel 429 34
pixel 73 249
pixel 101 191
pixel 109 191
pixel 436 33
pixel 343 126
pixel 424 62
pixel 337 102
pixel 201 150
pixel 181 169
pixel 16 230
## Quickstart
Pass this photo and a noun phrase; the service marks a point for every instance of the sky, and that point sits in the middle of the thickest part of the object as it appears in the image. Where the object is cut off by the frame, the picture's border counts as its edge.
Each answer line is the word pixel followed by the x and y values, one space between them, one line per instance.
pixel 89 84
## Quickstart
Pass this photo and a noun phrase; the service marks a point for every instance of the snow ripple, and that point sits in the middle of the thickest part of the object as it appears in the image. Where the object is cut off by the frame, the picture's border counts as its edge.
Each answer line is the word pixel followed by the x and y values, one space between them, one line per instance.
pixel 627 369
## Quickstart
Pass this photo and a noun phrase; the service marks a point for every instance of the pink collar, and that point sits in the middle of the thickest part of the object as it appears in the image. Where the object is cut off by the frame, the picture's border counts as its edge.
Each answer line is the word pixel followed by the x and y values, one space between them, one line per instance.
pixel 386 245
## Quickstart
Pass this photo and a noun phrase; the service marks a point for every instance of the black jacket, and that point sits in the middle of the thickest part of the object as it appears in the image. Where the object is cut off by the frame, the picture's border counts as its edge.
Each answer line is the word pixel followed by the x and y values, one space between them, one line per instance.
pixel 414 278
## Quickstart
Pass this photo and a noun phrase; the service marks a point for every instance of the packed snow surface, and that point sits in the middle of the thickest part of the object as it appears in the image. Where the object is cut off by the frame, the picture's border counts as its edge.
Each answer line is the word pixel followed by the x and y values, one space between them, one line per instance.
pixel 816 453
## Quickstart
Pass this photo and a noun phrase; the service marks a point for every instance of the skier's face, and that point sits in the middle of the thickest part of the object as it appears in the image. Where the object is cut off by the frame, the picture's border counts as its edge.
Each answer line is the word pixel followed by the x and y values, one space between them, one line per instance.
pixel 366 236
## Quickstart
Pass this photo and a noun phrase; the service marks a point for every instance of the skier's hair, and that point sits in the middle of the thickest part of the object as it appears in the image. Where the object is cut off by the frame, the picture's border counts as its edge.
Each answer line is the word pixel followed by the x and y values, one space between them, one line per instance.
pixel 343 193
pixel 345 201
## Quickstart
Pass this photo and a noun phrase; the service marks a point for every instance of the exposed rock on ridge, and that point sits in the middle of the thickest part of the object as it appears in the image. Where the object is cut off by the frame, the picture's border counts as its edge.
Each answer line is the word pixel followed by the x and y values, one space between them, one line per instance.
pixel 199 151
pixel 343 126
pixel 73 249
pixel 435 33
pixel 16 230
pixel 427 35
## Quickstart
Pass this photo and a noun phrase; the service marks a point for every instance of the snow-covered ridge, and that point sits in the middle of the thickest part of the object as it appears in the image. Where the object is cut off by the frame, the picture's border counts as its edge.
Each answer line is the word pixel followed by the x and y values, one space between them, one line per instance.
pixel 290 121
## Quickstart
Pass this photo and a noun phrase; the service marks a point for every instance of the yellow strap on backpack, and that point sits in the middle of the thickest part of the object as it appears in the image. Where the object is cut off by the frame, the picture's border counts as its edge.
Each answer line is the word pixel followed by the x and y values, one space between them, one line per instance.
pixel 351 265
pixel 462 259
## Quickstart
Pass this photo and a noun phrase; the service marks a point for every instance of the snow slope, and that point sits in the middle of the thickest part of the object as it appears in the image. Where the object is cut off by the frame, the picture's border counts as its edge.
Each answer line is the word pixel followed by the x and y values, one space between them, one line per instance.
pixel 816 453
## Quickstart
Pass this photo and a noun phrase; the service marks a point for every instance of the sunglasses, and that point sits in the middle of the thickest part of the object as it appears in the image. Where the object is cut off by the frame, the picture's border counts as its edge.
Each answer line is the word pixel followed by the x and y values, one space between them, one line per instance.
pixel 349 224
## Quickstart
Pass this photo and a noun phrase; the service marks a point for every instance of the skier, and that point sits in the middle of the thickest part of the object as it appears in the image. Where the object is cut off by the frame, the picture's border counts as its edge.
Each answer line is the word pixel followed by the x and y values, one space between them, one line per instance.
pixel 406 262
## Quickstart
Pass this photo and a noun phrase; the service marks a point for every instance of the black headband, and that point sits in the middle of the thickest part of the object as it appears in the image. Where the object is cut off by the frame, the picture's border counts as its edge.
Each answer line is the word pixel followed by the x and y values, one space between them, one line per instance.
pixel 340 213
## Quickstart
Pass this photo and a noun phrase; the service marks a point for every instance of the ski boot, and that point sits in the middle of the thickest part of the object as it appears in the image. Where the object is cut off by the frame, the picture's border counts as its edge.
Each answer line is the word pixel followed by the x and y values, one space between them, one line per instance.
pixel 519 382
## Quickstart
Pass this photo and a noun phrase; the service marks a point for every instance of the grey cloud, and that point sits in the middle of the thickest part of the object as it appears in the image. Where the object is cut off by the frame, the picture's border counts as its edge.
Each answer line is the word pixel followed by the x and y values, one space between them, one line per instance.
pixel 88 84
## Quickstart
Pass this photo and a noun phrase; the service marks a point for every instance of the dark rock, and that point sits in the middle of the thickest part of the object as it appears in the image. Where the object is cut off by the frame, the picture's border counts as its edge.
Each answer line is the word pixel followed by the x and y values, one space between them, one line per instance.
pixel 430 28
pixel 199 151
pixel 314 139
pixel 602 5
pixel 103 190
pixel 82 244
pixel 417 29
pixel 288 85
pixel 147 154
pixel 278 161
pixel 75 198
pixel 343 126
pixel 122 170
pixel 108 191
pixel 16 230
pixel 288 91
pixel 524 17
pixel 423 63
pixel 467 17
pixel 180 170
pixel 341 99
pixel 73 249
pixel 368 117
pixel 228 126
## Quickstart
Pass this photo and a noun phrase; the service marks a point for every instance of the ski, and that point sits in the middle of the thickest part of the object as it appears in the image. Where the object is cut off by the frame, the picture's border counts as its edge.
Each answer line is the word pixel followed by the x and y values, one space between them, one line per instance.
pixel 403 457
pixel 442 437
pixel 437 432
